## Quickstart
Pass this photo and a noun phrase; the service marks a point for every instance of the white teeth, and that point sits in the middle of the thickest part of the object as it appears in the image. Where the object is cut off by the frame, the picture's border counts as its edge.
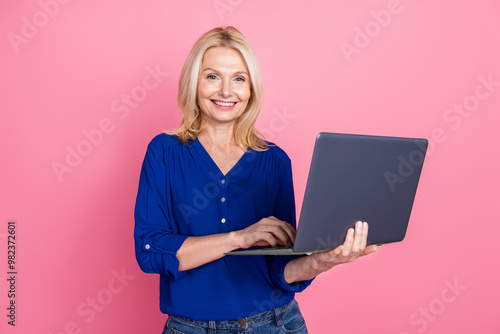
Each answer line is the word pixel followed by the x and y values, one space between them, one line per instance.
pixel 224 104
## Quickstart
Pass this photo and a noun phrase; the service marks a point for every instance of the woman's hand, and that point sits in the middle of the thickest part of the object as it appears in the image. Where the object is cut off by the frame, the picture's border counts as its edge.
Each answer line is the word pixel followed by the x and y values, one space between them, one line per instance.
pixel 354 246
pixel 267 231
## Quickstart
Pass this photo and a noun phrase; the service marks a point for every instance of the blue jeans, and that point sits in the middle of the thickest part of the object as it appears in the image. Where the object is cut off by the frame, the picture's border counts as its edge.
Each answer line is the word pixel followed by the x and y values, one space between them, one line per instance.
pixel 283 319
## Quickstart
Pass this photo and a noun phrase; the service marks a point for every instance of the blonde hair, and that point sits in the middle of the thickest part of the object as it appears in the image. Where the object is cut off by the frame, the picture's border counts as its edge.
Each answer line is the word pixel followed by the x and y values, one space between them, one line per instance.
pixel 191 126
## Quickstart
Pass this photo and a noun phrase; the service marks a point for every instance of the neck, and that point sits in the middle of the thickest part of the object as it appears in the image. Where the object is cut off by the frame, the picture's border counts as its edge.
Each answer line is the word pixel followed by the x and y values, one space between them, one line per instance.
pixel 218 135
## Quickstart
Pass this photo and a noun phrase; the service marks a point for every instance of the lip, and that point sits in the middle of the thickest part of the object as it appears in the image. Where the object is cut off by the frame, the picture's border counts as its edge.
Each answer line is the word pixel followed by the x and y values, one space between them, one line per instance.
pixel 224 108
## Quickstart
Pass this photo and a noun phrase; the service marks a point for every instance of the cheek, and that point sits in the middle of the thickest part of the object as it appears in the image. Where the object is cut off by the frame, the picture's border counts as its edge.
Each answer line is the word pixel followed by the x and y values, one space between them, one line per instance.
pixel 205 90
pixel 243 93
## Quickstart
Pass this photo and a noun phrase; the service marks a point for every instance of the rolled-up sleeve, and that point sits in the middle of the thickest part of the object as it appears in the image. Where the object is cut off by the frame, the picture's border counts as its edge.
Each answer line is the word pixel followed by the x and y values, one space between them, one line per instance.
pixel 156 243
pixel 285 210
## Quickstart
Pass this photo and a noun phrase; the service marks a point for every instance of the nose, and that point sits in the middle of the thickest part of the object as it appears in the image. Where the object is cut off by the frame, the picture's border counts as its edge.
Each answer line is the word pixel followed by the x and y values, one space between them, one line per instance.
pixel 225 90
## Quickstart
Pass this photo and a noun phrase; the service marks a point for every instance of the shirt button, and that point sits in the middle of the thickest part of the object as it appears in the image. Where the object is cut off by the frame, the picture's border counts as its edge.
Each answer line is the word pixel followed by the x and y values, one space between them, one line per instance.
pixel 147 246
pixel 223 220
pixel 223 181
pixel 222 199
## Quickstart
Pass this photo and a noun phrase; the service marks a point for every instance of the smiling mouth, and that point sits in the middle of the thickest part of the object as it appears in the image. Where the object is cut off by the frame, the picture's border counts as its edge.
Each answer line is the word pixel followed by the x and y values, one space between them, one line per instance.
pixel 223 104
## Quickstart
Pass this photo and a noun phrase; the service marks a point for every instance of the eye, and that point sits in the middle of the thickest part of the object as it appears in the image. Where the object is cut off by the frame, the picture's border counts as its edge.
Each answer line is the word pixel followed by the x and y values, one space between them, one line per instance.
pixel 240 79
pixel 211 77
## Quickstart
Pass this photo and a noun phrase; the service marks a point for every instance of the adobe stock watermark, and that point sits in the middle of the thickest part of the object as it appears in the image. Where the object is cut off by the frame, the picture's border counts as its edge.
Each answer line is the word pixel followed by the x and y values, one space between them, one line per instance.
pixel 212 189
pixel 430 312
pixel 88 310
pixel 277 123
pixel 406 166
pixel 373 28
pixel 31 26
pixel 120 108
pixel 223 6
pixel 454 117
pixel 277 296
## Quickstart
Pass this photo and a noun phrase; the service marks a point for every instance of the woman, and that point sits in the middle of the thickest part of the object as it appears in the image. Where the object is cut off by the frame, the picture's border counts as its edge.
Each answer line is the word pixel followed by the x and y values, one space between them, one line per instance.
pixel 213 186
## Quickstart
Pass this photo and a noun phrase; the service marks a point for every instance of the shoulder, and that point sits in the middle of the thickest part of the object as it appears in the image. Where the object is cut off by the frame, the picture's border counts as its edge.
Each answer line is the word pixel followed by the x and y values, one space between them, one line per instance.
pixel 164 140
pixel 163 146
pixel 277 153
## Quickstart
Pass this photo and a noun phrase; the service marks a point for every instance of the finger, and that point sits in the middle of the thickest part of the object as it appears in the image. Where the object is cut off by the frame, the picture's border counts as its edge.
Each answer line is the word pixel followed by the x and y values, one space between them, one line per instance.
pixel 287 228
pixel 280 234
pixel 348 242
pixel 269 238
pixel 370 249
pixel 358 236
pixel 364 236
pixel 260 243
pixel 291 232
pixel 336 252
pixel 275 232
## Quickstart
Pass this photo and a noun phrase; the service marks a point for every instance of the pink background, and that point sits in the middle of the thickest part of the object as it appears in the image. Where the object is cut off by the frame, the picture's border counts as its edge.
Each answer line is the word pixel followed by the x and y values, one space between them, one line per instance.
pixel 75 231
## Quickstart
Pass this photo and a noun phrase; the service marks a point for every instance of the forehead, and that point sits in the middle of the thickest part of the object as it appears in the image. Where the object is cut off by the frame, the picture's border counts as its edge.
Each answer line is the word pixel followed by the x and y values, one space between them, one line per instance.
pixel 222 58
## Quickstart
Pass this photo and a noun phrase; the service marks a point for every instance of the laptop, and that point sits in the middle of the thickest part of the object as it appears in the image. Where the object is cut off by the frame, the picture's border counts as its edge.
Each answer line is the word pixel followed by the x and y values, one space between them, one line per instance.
pixel 355 177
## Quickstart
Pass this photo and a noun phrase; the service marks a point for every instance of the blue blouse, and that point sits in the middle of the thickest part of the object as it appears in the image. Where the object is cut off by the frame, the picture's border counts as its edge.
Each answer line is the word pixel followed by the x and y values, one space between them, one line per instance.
pixel 183 193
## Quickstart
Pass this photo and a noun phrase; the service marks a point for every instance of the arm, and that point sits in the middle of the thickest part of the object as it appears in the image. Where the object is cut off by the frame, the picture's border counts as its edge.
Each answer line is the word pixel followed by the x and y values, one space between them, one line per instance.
pixel 300 269
pixel 156 242
pixel 196 251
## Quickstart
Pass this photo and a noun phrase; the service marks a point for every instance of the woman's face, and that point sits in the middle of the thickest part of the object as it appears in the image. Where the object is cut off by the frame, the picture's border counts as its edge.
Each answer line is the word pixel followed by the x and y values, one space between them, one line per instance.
pixel 224 85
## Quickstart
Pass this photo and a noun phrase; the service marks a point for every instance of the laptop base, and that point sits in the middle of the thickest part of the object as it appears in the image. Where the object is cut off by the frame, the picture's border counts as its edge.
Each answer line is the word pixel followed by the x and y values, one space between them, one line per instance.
pixel 274 251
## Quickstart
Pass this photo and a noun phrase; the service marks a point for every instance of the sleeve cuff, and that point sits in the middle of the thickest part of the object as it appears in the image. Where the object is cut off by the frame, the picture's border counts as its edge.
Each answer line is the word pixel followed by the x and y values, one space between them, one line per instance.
pixel 277 271
pixel 161 255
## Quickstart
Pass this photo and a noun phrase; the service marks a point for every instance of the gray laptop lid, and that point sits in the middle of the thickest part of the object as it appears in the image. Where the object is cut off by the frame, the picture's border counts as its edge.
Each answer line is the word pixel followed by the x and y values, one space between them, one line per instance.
pixel 359 177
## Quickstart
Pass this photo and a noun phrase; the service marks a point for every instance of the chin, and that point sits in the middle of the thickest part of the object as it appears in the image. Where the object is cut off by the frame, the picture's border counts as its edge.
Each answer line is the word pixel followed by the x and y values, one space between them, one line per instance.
pixel 224 117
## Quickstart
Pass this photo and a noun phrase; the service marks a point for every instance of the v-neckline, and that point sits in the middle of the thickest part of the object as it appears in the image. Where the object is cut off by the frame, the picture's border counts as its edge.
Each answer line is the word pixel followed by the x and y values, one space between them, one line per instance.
pixel 210 161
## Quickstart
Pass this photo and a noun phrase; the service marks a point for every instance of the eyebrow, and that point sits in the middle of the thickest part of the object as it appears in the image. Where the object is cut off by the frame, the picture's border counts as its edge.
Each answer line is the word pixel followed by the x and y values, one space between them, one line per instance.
pixel 211 69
